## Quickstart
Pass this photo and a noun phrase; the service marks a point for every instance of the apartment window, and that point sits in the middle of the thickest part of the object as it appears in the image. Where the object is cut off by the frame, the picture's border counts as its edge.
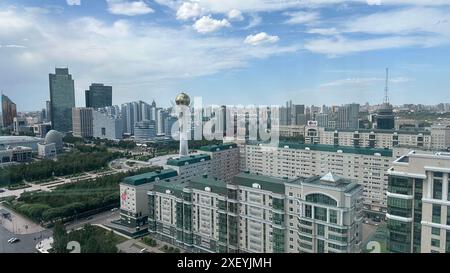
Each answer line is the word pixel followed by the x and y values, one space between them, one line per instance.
pixel 435 242
pixel 308 211
pixel 320 230
pixel 448 216
pixel 320 213
pixel 448 190
pixel 435 231
pixel 436 213
pixel 437 189
pixel 333 216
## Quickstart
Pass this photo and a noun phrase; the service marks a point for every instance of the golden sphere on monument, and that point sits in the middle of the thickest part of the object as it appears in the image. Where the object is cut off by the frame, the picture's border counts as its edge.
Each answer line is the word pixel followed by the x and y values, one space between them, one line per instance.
pixel 183 99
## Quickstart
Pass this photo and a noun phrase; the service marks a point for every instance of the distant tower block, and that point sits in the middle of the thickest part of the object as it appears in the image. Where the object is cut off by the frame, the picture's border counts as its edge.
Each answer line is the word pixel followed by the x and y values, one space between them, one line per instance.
pixel 183 99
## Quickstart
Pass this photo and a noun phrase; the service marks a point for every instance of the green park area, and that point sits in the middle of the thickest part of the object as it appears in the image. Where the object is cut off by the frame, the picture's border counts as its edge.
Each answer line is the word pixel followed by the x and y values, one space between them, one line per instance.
pixel 91 239
pixel 67 202
pixel 82 159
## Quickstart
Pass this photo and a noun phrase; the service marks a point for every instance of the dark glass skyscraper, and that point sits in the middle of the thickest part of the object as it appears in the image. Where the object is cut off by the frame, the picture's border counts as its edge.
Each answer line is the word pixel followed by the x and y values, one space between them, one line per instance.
pixel 62 99
pixel 98 96
pixel 385 117
pixel 8 112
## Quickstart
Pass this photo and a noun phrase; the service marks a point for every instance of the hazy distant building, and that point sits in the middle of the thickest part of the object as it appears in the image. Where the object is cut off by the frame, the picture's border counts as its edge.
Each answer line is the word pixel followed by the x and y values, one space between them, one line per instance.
pixel 385 118
pixel 62 99
pixel 20 126
pixel 106 126
pixel 8 112
pixel 41 130
pixel 48 111
pixel 46 151
pixel 161 115
pixel 82 119
pixel 56 138
pixel 347 116
pixel 19 141
pixel 144 130
pixel 98 96
pixel 168 124
pixel 16 154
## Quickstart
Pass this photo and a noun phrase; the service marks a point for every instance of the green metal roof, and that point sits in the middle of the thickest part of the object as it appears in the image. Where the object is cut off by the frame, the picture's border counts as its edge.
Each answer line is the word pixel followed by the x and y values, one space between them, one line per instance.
pixel 333 148
pixel 201 182
pixel 149 177
pixel 175 188
pixel 267 183
pixel 185 160
pixel 217 148
pixel 386 131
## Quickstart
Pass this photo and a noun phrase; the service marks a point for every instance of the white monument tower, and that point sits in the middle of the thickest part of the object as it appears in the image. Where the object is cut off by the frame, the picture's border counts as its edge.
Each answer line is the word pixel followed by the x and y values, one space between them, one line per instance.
pixel 183 100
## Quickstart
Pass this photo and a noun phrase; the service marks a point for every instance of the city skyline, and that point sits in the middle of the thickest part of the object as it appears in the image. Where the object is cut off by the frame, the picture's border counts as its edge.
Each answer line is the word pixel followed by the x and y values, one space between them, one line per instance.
pixel 241 51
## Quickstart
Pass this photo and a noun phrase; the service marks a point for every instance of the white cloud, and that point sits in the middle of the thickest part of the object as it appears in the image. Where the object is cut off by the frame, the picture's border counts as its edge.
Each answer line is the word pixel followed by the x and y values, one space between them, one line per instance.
pixel 137 60
pixel 301 17
pixel 235 15
pixel 73 2
pixel 207 24
pixel 189 10
pixel 324 31
pixel 12 46
pixel 403 21
pixel 341 46
pixel 398 28
pixel 254 21
pixel 261 38
pixel 129 8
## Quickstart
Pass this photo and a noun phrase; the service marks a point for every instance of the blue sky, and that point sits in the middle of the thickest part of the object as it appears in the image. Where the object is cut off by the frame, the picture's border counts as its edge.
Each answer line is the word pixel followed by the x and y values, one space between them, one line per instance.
pixel 229 51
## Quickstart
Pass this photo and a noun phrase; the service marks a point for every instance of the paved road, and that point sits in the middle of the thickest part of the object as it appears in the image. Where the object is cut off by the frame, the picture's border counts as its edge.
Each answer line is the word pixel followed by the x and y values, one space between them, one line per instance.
pixel 27 242
pixel 101 219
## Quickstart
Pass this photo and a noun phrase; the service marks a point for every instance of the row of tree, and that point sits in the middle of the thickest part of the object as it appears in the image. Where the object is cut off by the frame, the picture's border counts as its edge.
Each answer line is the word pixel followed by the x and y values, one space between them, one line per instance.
pixel 66 202
pixel 84 160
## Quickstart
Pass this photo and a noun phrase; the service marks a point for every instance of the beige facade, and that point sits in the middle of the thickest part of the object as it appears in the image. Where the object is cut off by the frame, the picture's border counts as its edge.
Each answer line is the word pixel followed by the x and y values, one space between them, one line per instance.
pixel 420 176
pixel 366 166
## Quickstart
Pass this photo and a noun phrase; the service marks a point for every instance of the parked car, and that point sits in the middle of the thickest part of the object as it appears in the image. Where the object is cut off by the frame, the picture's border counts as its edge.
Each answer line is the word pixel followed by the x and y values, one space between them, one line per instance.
pixel 13 240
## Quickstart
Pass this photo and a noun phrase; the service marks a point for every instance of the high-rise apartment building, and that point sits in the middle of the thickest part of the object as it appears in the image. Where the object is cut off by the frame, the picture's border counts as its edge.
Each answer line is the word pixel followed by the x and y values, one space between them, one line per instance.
pixel 98 96
pixel 62 99
pixel 8 112
pixel 375 138
pixel 367 166
pixel 256 214
pixel 107 125
pixel 144 130
pixel 347 116
pixel 419 203
pixel 82 122
pixel 329 214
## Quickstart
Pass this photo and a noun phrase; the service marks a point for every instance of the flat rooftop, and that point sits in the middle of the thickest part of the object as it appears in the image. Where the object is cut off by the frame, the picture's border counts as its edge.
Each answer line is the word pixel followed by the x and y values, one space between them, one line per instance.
pixel 385 131
pixel 332 181
pixel 335 148
pixel 215 185
pixel 217 148
pixel 268 183
pixel 186 160
pixel 149 177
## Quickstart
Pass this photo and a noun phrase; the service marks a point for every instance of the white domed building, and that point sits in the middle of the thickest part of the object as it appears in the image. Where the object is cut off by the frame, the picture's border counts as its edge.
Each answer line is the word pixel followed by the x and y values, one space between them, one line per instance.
pixel 55 137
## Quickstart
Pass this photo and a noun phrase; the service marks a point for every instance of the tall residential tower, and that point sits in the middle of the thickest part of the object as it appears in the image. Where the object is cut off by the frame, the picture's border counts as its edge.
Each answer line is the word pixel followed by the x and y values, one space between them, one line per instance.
pixel 62 99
